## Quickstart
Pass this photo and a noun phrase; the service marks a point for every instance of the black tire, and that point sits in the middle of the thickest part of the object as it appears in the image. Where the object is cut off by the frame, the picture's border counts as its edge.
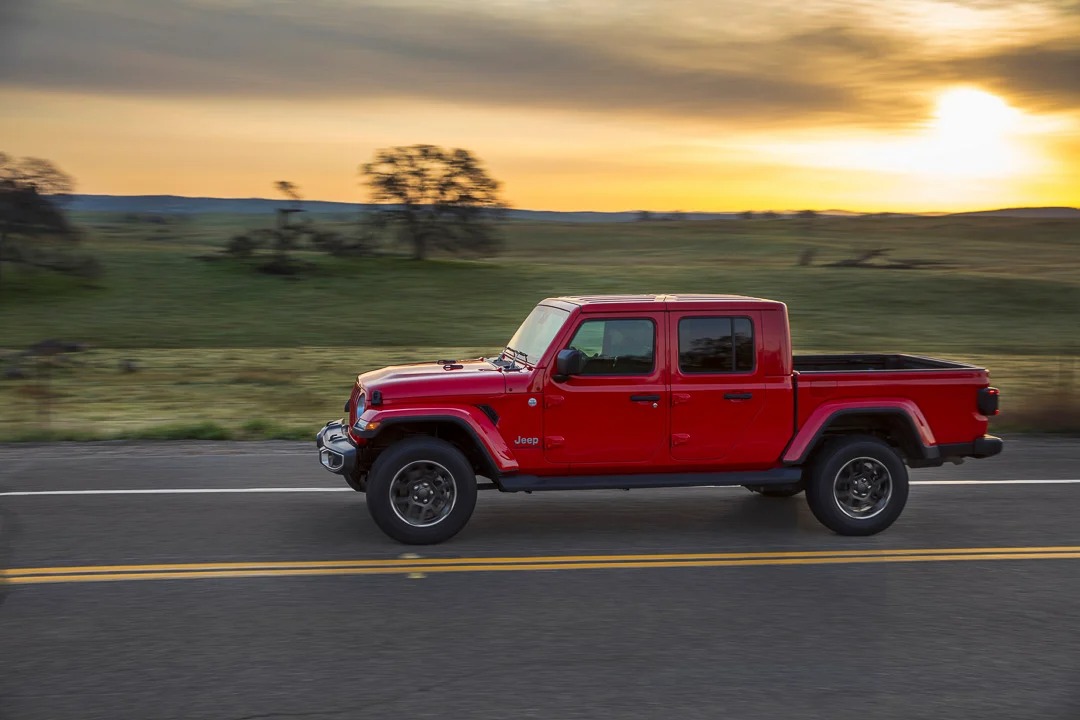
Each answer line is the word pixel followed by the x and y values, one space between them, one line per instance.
pixel 423 460
pixel 775 492
pixel 843 471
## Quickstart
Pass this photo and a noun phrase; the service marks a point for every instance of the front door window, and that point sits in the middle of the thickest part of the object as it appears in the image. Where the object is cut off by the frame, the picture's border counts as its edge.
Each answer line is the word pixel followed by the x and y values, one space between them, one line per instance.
pixel 617 347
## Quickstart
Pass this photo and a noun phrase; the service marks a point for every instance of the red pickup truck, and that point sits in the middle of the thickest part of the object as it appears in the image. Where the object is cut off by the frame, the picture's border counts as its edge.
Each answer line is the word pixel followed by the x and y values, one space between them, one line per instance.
pixel 646 391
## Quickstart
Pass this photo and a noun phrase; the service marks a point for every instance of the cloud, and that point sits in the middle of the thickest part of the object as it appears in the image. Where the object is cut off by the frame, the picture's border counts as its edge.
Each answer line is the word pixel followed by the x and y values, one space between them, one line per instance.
pixel 187 48
pixel 1062 5
pixel 1046 75
pixel 487 54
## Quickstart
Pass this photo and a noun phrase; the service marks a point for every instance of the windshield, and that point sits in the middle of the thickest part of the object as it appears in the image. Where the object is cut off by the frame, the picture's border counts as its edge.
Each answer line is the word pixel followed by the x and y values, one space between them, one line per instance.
pixel 536 333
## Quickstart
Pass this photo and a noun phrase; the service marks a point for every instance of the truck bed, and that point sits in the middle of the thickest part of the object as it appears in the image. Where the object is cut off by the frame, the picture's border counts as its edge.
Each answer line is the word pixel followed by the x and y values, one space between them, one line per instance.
pixel 943 392
pixel 859 362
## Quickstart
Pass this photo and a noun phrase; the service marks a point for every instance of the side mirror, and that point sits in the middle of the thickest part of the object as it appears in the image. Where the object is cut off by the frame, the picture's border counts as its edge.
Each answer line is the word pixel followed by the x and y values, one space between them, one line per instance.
pixel 568 362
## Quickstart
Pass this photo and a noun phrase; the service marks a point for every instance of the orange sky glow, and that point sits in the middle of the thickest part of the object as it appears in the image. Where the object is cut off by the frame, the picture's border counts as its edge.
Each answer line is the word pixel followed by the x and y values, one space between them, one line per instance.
pixel 709 105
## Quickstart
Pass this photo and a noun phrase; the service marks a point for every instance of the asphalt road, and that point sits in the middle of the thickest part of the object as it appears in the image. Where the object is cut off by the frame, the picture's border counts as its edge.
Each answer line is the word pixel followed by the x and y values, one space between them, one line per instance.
pixel 339 623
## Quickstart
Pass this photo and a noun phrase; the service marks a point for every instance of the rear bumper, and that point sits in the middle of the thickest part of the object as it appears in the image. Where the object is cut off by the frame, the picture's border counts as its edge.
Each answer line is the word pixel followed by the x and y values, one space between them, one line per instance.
pixel 987 446
pixel 984 447
pixel 337 452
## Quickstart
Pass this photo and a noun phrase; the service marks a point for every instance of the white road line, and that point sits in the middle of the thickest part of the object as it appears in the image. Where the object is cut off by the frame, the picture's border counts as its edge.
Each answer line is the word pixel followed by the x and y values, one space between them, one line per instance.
pixel 1068 481
pixel 209 491
pixel 177 491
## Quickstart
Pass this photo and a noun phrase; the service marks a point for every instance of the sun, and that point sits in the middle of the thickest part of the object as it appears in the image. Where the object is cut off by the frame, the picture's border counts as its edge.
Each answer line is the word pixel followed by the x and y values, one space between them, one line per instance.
pixel 971 147
pixel 971 116
pixel 972 134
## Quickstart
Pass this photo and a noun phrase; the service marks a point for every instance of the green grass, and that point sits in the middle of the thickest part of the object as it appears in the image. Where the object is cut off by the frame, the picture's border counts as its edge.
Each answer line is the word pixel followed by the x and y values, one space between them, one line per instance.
pixel 225 352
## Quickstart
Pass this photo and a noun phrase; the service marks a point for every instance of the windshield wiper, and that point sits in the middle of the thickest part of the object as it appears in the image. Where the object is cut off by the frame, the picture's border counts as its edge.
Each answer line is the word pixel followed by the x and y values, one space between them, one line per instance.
pixel 500 361
pixel 515 355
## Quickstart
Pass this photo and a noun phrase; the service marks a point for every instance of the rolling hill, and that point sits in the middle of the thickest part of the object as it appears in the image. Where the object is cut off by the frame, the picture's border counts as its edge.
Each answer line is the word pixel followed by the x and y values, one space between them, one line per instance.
pixel 176 204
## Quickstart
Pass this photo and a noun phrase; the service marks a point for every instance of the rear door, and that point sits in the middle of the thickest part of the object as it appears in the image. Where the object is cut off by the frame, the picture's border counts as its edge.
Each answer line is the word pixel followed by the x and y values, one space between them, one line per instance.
pixel 717 384
pixel 614 414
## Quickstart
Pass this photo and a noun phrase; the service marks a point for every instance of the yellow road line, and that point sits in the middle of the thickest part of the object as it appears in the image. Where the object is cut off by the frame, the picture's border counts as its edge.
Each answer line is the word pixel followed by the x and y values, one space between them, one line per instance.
pixel 562 559
pixel 27 576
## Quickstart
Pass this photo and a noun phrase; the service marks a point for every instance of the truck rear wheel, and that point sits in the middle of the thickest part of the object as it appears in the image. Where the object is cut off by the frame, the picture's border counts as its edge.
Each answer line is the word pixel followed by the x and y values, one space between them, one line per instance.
pixel 857 485
pixel 421 491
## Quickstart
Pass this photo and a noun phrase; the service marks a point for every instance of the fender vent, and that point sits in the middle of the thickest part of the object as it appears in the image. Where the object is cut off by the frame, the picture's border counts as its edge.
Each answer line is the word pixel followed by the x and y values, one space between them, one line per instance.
pixel 490 412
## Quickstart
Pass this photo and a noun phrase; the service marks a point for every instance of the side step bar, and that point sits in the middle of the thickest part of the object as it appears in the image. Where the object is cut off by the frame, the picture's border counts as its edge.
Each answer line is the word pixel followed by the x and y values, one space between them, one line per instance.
pixel 529 483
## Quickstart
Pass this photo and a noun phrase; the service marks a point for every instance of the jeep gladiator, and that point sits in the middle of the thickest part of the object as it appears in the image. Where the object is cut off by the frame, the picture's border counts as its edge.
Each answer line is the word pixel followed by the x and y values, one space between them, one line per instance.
pixel 649 391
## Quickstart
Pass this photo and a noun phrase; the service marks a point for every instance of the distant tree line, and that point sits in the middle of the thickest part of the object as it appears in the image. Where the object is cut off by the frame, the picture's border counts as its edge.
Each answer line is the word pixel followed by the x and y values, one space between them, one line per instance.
pixel 429 199
pixel 650 216
pixel 678 216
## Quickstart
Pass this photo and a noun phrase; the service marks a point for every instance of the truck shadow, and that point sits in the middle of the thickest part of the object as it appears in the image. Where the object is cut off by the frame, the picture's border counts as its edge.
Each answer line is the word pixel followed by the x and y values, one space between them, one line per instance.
pixel 608 513
pixel 569 521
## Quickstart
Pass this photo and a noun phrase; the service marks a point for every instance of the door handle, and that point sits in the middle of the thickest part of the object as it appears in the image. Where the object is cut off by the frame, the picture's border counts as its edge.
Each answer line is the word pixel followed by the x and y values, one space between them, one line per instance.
pixel 644 398
pixel 738 396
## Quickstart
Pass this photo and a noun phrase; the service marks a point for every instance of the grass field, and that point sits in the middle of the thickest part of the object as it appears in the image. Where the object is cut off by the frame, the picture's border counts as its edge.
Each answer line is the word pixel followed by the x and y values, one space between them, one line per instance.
pixel 223 351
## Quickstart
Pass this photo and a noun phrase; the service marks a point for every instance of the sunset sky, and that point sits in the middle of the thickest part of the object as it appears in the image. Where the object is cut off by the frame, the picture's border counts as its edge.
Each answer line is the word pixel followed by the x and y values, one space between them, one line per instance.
pixel 897 105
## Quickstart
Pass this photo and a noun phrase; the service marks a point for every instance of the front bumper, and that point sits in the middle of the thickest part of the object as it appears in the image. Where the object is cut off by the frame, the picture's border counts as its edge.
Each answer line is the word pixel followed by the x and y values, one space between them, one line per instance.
pixel 337 452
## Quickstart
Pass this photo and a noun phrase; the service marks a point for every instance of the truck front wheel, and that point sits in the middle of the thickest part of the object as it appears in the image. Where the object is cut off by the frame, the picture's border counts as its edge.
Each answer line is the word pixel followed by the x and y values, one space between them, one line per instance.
pixel 857 485
pixel 421 491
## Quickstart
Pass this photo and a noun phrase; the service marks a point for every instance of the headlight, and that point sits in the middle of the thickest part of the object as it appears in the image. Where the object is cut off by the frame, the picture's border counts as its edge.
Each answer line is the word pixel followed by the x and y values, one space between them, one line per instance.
pixel 361 405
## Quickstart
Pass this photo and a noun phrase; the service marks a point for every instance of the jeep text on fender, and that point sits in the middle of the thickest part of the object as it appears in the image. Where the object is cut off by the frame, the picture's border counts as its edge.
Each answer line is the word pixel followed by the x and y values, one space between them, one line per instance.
pixel 655 391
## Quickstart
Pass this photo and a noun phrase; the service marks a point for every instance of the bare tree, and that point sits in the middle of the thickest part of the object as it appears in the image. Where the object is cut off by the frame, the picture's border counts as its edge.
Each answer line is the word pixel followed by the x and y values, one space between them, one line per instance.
pixel 440 199
pixel 291 191
pixel 32 218
pixel 281 240
pixel 36 173
pixel 272 247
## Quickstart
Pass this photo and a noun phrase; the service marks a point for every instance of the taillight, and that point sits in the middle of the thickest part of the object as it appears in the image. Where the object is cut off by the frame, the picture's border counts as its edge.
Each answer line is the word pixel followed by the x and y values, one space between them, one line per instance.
pixel 988 401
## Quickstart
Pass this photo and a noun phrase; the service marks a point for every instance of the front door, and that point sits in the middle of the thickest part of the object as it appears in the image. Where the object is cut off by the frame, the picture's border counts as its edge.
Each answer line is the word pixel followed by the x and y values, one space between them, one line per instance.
pixel 616 412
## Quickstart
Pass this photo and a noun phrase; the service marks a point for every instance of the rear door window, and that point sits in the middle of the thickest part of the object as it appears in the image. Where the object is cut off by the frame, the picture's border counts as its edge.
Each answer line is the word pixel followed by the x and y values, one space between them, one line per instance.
pixel 716 345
